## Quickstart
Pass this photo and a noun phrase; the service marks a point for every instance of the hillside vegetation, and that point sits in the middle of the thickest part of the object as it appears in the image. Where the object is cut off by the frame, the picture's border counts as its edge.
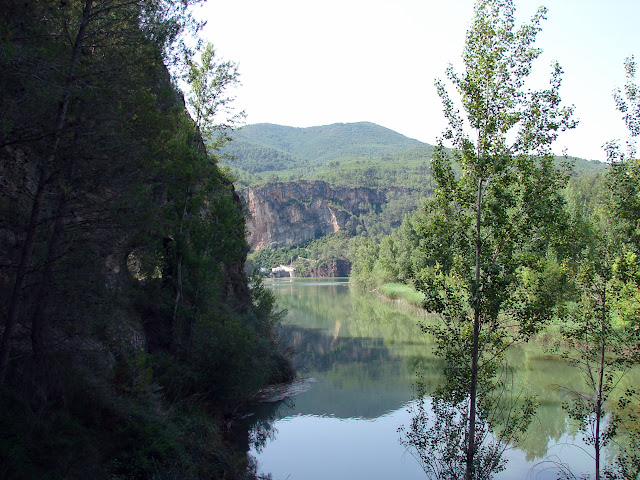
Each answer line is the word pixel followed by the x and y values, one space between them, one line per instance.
pixel 297 147
pixel 354 154
pixel 350 155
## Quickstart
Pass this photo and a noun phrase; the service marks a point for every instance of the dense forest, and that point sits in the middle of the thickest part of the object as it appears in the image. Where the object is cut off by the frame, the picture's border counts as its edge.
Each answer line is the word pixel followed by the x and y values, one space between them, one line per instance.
pixel 130 333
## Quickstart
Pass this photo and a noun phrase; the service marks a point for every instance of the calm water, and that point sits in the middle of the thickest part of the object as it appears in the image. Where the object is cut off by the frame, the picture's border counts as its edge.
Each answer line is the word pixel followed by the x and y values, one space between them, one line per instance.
pixel 358 357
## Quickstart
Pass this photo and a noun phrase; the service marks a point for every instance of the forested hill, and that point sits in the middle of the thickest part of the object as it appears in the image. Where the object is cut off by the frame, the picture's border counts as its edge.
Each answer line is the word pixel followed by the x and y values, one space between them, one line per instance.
pixel 353 154
pixel 268 147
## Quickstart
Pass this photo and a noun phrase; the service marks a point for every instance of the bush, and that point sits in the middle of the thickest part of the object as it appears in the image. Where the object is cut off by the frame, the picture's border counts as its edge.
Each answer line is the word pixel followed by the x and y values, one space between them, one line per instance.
pixel 398 290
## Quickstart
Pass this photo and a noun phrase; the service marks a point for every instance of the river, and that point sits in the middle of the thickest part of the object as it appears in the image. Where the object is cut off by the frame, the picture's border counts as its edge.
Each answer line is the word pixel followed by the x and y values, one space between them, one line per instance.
pixel 357 357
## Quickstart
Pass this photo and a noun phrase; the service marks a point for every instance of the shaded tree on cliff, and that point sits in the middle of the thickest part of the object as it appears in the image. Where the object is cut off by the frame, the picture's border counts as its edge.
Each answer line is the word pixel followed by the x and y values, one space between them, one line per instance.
pixel 68 53
pixel 96 153
pixel 499 216
pixel 195 200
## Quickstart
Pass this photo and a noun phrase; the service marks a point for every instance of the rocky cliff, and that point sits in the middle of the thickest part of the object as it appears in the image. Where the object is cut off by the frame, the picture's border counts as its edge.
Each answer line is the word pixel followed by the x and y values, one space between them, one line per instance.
pixel 290 213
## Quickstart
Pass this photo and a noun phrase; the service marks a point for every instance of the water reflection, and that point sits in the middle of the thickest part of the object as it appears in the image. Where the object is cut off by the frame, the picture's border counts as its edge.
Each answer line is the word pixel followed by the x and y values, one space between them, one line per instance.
pixel 365 355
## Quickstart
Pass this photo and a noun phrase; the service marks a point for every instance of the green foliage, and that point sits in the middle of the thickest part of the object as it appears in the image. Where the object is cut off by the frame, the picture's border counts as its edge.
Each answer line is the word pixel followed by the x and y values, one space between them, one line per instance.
pixel 397 258
pixel 624 189
pixel 407 170
pixel 400 290
pixel 98 433
pixel 487 231
pixel 603 327
pixel 207 96
pixel 362 154
pixel 364 263
pixel 267 154
pixel 264 305
pixel 133 374
pixel 251 157
pixel 439 429
pixel 307 257
pixel 586 189
pixel 601 330
pixel 628 103
pixel 318 145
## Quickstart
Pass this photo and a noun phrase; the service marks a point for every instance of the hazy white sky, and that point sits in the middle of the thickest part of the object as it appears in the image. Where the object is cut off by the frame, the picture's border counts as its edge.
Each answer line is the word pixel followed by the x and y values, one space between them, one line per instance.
pixel 305 63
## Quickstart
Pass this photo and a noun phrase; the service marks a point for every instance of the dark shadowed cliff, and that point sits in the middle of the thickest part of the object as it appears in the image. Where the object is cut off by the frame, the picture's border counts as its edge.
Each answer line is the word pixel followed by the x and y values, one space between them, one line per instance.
pixel 130 332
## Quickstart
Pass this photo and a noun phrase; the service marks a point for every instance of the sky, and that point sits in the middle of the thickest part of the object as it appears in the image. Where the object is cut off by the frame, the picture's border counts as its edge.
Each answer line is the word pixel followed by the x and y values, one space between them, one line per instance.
pixel 304 62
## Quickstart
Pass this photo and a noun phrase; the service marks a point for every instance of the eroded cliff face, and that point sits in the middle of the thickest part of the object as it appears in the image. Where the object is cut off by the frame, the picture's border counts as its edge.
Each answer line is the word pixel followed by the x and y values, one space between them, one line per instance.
pixel 290 213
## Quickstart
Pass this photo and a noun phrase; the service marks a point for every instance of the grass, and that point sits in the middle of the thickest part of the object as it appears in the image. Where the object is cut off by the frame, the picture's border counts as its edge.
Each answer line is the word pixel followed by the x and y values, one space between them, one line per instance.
pixel 396 291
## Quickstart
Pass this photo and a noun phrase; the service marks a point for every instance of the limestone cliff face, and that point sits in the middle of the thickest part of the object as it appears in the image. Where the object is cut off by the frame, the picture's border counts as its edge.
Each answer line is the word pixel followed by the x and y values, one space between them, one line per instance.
pixel 290 213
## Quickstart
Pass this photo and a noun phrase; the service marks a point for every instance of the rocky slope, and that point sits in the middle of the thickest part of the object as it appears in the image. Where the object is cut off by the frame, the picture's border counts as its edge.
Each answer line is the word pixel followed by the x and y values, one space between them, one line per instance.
pixel 291 213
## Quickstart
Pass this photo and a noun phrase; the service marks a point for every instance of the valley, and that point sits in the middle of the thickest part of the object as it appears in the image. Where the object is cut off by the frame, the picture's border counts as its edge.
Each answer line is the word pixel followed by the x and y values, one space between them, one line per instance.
pixel 313 194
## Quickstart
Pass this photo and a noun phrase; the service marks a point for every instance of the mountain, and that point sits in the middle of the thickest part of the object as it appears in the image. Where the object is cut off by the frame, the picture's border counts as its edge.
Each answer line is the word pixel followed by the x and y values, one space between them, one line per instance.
pixel 268 147
pixel 352 154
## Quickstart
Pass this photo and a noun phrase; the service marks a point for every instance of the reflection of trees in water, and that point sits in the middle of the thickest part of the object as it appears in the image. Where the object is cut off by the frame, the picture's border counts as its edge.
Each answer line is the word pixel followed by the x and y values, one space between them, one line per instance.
pixel 359 377
pixel 533 371
pixel 437 433
pixel 547 427
pixel 428 371
pixel 364 348
pixel 537 372
pixel 257 427
pixel 314 306
pixel 262 426
pixel 358 316
pixel 321 351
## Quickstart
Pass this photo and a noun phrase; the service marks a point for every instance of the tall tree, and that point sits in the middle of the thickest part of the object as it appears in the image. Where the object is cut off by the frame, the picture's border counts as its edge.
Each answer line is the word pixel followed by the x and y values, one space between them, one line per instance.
pixel 491 225
pixel 604 347
pixel 624 177
pixel 208 97
pixel 198 194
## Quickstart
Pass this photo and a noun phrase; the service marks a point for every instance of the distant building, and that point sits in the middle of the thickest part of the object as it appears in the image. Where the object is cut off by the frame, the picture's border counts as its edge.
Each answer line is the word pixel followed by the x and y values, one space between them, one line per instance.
pixel 283 271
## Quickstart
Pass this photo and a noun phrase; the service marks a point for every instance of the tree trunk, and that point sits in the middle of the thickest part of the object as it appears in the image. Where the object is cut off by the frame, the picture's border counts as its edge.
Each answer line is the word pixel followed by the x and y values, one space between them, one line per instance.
pixel 473 388
pixel 599 396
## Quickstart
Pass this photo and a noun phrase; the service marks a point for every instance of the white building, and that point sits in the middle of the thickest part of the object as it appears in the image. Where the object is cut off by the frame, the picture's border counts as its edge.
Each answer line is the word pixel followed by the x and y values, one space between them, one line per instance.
pixel 283 271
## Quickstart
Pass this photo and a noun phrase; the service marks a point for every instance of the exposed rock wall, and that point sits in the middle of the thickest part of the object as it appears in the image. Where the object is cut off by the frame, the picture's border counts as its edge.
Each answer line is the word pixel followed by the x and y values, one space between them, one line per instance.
pixel 333 268
pixel 283 214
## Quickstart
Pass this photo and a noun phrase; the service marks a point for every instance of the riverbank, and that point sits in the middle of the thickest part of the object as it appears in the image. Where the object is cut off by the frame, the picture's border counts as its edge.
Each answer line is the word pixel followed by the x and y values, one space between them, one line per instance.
pixel 408 298
pixel 402 293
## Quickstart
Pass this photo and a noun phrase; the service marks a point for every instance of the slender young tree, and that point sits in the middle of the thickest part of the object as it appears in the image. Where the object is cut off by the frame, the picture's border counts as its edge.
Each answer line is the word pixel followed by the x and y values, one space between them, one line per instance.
pixel 490 226
pixel 603 347
pixel 624 176
pixel 208 97
pixel 604 323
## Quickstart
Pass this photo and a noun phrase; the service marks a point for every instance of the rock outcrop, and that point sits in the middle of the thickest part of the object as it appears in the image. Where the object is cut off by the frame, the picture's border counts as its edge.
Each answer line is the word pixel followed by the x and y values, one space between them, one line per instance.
pixel 290 213
pixel 332 268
